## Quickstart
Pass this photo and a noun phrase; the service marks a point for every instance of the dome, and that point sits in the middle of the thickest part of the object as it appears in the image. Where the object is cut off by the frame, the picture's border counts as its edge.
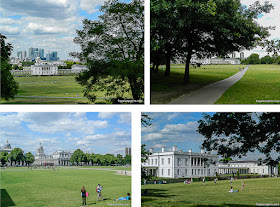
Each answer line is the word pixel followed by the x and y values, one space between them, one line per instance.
pixel 7 145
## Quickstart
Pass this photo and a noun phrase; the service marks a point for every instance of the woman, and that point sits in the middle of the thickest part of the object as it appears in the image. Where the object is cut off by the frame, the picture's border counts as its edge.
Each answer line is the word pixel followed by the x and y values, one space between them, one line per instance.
pixel 124 198
pixel 83 194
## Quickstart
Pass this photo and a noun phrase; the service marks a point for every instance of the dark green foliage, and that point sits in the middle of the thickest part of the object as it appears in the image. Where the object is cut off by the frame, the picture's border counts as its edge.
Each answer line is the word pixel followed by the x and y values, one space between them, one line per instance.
pixel 17 155
pixel 113 48
pixel 9 87
pixel 253 59
pixel 236 134
pixel 26 64
pixel 181 29
pixel 29 158
pixel 4 157
pixel 267 60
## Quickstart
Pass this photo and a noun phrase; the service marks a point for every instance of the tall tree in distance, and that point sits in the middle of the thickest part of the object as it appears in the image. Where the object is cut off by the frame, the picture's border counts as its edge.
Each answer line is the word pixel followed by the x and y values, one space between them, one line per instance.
pixel 29 158
pixel 9 87
pixel 113 48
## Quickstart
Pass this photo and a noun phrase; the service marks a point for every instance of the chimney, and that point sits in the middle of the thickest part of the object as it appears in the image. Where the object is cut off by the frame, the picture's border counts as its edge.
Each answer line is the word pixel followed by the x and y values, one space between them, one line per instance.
pixel 180 151
pixel 151 150
pixel 202 151
pixel 174 148
pixel 162 149
pixel 190 150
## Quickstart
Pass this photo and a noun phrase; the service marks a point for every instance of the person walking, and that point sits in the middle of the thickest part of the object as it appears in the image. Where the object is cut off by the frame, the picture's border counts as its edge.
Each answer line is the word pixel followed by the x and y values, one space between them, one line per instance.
pixel 84 197
pixel 98 190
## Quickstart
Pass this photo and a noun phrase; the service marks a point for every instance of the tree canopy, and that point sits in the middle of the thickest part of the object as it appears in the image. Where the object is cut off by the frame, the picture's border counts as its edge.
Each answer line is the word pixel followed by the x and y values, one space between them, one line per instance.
pixel 9 87
pixel 113 48
pixel 236 134
pixel 183 29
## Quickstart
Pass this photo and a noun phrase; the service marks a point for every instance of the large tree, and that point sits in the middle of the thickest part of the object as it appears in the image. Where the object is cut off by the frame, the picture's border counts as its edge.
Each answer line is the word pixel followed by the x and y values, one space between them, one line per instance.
pixel 9 87
pixel 17 155
pixel 77 156
pixel 113 48
pixel 29 158
pixel 208 27
pixel 4 157
pixel 236 134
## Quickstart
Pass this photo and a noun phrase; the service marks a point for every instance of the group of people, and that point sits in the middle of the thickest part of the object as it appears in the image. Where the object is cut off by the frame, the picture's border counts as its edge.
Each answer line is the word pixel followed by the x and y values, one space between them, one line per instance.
pixel 236 191
pixel 99 188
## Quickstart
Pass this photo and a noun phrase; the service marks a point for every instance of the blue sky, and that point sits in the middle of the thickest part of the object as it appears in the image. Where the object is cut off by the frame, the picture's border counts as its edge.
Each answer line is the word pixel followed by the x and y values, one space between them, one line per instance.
pixel 175 128
pixel 100 133
pixel 49 24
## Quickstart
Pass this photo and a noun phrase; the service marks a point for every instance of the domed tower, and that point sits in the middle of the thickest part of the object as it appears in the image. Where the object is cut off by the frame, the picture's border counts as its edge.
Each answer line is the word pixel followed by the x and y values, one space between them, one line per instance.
pixel 40 151
pixel 7 145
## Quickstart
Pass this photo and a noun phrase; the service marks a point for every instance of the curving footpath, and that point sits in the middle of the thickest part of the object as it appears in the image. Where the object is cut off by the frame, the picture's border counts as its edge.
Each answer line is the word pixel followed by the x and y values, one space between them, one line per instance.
pixel 211 93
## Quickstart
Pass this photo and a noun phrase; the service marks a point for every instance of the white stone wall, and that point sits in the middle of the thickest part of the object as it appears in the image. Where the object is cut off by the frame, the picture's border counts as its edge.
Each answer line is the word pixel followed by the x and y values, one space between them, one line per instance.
pixel 44 70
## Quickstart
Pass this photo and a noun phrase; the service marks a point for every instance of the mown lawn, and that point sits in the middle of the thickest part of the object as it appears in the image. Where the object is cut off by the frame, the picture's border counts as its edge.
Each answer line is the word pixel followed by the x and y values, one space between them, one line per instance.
pixel 45 187
pixel 164 89
pixel 52 86
pixel 261 191
pixel 260 84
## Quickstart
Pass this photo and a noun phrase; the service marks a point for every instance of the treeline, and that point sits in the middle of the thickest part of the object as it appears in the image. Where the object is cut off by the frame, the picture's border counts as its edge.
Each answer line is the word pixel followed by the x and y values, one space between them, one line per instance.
pixel 80 158
pixel 255 59
pixel 16 156
pixel 69 65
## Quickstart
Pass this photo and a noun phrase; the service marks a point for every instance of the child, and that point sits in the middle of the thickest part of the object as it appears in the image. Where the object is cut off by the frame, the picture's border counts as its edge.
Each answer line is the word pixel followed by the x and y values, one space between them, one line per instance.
pixel 98 190
pixel 83 194
pixel 231 190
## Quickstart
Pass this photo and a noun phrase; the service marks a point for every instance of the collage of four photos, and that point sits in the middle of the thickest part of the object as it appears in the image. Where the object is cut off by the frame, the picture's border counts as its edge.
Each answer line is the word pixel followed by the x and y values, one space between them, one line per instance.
pixel 140 103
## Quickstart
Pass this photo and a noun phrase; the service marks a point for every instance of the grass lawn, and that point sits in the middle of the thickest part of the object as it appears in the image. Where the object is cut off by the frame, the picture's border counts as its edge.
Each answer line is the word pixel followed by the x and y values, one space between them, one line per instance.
pixel 51 86
pixel 164 89
pixel 261 82
pixel 265 190
pixel 45 187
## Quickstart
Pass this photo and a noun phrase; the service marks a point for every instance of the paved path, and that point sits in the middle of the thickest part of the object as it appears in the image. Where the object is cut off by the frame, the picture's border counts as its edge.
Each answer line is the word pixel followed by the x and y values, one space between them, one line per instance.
pixel 211 93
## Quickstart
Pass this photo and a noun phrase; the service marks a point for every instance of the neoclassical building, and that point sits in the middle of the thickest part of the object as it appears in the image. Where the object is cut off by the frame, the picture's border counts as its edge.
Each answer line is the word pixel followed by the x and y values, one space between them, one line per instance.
pixel 7 148
pixel 59 158
pixel 44 69
pixel 247 167
pixel 179 164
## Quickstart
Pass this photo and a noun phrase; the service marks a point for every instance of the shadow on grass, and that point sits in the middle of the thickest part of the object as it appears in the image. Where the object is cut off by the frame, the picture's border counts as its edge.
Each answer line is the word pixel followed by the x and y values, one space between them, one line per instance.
pixel 225 205
pixel 148 193
pixel 6 200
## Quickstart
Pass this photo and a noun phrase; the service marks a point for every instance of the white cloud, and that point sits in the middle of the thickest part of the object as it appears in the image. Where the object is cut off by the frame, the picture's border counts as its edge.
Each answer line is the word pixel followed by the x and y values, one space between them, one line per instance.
pixel 8 30
pixel 190 126
pixel 152 136
pixel 90 5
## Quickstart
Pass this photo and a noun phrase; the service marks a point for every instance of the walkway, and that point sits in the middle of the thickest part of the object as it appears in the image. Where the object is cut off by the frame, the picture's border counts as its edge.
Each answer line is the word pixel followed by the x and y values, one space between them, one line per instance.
pixel 211 93
pixel 19 96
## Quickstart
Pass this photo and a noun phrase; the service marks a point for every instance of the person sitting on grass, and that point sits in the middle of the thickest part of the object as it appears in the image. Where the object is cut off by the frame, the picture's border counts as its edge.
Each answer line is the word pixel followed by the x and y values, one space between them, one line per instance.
pixel 124 198
pixel 231 190
pixel 84 197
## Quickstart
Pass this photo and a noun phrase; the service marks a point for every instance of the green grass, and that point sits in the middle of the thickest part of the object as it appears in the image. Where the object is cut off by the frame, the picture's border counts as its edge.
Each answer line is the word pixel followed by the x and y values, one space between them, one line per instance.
pixel 261 82
pixel 265 190
pixel 44 187
pixel 51 86
pixel 164 89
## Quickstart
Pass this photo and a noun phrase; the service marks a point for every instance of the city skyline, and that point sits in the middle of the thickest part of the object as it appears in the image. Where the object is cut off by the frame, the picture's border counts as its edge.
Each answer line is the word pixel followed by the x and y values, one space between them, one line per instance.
pixel 98 133
pixel 51 26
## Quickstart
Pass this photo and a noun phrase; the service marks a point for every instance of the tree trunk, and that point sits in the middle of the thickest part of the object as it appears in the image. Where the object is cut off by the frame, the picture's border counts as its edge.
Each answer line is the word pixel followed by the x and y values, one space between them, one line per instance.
pixel 187 68
pixel 157 65
pixel 167 63
pixel 153 67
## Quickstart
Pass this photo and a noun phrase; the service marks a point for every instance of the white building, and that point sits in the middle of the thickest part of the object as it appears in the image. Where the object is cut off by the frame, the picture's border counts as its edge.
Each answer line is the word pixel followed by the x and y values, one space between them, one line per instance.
pixel 7 148
pixel 246 167
pixel 179 164
pixel 44 69
pixel 61 158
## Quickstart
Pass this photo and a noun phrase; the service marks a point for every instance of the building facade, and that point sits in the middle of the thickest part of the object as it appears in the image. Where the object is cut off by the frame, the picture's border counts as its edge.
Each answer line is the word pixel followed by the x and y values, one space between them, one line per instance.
pixel 44 69
pixel 247 167
pixel 127 151
pixel 179 164
pixel 59 158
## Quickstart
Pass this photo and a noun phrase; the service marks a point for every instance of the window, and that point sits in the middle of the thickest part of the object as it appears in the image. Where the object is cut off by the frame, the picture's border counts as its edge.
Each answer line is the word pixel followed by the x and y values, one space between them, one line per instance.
pixel 178 161
pixel 148 161
pixel 152 161
pixel 195 172
pixel 162 161
pixel 168 171
pixel 192 171
pixel 186 171
pixel 162 172
pixel 168 161
pixel 156 161
pixel 198 171
pixel 178 172
pixel 186 161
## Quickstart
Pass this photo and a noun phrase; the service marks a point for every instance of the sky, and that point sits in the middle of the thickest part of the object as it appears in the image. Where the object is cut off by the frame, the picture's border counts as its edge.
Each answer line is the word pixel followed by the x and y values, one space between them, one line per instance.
pixel 178 129
pixel 98 133
pixel 266 20
pixel 49 24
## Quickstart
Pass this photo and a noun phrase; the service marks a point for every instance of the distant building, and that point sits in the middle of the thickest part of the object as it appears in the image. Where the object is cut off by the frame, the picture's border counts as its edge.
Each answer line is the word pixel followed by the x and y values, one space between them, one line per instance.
pixel 242 56
pixel 21 55
pixel 247 167
pixel 44 69
pixel 33 53
pixel 52 56
pixel 59 158
pixel 179 164
pixel 217 61
pixel 127 151
pixel 7 148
